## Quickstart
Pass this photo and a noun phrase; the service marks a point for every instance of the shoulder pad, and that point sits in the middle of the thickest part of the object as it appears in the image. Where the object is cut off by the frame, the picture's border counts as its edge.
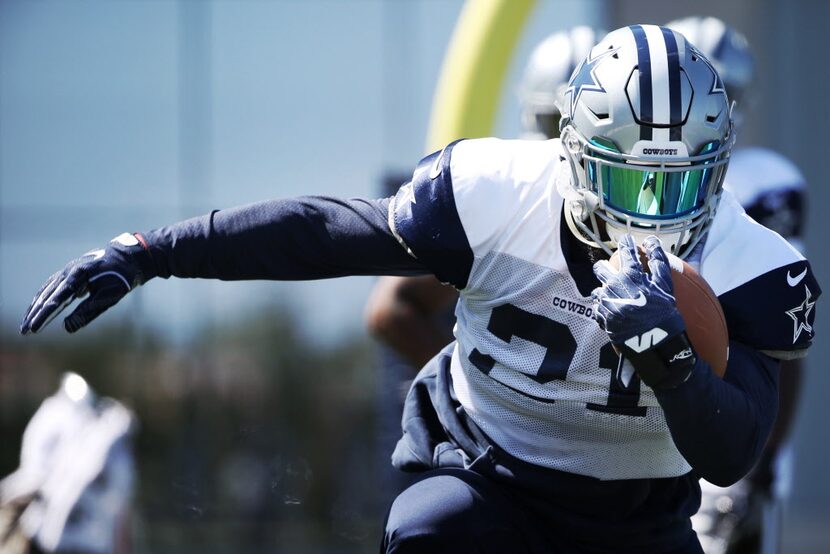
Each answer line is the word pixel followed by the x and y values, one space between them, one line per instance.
pixel 496 180
pixel 738 249
pixel 469 199
pixel 765 286
pixel 774 312
pixel 424 218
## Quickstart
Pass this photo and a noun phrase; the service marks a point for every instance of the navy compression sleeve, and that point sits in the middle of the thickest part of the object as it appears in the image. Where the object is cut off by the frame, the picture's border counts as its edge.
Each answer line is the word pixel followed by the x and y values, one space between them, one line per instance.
pixel 309 237
pixel 721 425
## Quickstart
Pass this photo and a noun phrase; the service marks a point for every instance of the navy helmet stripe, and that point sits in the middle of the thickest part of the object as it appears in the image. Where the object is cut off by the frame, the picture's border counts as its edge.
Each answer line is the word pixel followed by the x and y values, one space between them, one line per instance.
pixel 675 101
pixel 644 67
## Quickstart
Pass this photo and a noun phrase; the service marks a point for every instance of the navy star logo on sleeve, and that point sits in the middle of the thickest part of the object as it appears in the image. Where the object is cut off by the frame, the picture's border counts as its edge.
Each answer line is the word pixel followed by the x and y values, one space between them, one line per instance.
pixel 407 194
pixel 585 78
pixel 800 315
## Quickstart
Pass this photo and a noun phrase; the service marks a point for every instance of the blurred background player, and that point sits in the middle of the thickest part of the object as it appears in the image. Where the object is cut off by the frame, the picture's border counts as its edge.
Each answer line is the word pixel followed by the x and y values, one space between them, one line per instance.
pixel 546 75
pixel 413 316
pixel 74 486
pixel 746 517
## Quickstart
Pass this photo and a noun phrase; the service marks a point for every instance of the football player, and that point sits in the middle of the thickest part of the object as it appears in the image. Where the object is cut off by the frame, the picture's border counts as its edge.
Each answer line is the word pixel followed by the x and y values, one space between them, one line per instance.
pixel 408 313
pixel 746 517
pixel 525 436
pixel 73 489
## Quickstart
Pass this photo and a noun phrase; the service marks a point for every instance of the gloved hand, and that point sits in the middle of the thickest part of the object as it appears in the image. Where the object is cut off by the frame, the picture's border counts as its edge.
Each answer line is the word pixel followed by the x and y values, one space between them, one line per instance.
pixel 639 313
pixel 106 274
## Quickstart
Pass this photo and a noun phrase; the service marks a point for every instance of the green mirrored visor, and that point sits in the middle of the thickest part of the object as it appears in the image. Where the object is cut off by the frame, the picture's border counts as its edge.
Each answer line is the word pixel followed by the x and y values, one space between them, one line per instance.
pixel 663 193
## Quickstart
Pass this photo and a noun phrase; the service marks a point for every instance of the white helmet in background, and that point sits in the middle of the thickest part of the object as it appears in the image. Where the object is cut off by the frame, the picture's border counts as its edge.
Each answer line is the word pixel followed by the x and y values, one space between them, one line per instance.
pixel 546 75
pixel 647 129
pixel 726 48
pixel 770 187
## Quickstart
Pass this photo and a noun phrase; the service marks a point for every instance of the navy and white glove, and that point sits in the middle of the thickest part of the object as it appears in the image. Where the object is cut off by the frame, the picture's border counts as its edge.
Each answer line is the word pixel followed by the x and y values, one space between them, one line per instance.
pixel 106 274
pixel 638 311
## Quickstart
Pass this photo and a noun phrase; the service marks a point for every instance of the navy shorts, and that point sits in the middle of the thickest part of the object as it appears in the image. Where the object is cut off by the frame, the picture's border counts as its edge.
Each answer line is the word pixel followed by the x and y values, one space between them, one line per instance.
pixel 458 510
pixel 472 496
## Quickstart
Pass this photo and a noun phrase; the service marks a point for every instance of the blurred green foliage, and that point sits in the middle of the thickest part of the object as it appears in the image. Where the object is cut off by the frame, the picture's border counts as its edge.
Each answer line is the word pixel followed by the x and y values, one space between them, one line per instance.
pixel 252 438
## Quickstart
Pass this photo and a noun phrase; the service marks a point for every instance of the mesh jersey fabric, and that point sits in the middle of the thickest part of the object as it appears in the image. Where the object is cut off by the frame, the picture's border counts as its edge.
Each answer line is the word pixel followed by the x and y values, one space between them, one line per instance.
pixel 531 367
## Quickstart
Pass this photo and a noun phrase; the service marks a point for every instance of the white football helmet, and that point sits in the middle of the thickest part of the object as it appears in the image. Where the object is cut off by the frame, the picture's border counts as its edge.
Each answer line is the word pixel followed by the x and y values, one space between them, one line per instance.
pixel 726 48
pixel 546 75
pixel 647 129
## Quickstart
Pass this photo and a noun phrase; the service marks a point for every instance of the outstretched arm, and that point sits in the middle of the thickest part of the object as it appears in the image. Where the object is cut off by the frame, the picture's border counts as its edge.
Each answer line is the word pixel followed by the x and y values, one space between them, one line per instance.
pixel 303 238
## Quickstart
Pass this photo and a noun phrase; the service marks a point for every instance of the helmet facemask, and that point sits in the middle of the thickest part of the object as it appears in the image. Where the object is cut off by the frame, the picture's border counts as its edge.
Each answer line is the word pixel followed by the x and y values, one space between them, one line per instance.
pixel 674 200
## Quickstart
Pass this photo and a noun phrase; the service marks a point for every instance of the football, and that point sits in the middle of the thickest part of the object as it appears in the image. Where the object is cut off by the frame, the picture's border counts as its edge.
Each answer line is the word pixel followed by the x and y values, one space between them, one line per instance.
pixel 700 308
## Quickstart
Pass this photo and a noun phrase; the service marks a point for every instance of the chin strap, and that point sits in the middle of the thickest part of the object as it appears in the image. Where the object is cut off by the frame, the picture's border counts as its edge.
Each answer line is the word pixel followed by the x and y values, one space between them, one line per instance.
pixel 576 200
pixel 583 233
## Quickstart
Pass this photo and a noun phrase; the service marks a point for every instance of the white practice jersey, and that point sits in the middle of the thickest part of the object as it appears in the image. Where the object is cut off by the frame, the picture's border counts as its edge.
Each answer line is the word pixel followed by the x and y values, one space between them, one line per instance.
pixel 531 367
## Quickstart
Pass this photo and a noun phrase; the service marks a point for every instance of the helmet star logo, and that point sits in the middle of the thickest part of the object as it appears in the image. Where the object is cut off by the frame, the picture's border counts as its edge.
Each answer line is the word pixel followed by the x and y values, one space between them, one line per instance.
pixel 800 315
pixel 584 78
pixel 717 82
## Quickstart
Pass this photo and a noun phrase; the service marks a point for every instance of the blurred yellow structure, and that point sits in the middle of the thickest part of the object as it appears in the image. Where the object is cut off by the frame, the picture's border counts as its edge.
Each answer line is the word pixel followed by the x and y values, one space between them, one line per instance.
pixel 468 91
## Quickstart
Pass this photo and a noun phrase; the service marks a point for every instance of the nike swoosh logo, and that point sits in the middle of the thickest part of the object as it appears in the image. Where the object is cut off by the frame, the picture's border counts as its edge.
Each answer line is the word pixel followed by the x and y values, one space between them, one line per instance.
pixel 793 281
pixel 640 300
